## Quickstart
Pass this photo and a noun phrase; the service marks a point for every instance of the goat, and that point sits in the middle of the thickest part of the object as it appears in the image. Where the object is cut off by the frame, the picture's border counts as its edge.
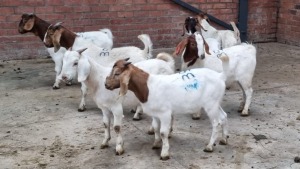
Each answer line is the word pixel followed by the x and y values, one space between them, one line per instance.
pixel 189 25
pixel 57 36
pixel 104 57
pixel 160 94
pixel 93 76
pixel 226 38
pixel 32 23
pixel 242 63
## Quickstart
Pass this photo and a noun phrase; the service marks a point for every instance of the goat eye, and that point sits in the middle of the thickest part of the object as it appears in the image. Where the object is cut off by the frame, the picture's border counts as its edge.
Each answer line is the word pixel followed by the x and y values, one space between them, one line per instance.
pixel 75 64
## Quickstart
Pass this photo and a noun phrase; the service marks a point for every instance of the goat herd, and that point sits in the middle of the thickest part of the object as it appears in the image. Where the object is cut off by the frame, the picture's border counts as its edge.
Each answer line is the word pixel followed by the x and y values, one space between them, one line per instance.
pixel 211 61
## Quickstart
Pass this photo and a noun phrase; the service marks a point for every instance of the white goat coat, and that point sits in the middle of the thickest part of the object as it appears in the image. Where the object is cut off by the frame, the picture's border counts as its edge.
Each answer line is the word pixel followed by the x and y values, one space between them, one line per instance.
pixel 196 88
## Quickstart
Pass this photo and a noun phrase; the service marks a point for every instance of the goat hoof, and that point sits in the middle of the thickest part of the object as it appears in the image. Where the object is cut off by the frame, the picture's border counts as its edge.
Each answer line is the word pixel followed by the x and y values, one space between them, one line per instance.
pixel 150 132
pixel 244 114
pixel 208 150
pixel 164 158
pixel 136 119
pixel 81 109
pixel 156 147
pixel 119 151
pixel 55 87
pixel 103 146
pixel 68 84
pixel 195 118
pixel 223 142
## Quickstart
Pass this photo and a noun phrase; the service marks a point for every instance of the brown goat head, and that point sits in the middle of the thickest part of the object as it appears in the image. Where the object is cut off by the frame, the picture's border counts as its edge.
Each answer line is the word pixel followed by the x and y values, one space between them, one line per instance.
pixel 119 77
pixel 191 50
pixel 53 35
pixel 27 22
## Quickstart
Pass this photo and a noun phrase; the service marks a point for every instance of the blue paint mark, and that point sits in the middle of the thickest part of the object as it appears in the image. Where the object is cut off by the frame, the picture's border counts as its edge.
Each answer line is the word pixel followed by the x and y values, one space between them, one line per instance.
pixel 194 85
pixel 104 52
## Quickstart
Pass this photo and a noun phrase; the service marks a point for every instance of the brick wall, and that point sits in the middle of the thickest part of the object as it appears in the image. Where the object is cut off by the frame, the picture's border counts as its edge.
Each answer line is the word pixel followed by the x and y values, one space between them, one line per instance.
pixel 262 20
pixel 161 19
pixel 289 22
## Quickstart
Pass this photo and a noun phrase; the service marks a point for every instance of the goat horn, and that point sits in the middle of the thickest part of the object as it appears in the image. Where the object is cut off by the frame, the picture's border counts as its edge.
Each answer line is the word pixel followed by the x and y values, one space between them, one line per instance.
pixel 58 24
pixel 183 30
pixel 81 50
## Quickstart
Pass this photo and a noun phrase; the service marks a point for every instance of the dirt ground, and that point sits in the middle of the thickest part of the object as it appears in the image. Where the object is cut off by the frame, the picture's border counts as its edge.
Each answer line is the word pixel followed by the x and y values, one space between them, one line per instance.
pixel 41 127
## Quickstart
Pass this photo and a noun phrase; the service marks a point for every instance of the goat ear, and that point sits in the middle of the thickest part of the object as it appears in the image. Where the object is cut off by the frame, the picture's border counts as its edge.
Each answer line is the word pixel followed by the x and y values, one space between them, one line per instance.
pixel 56 40
pixel 180 47
pixel 29 24
pixel 84 68
pixel 124 80
pixel 206 47
pixel 81 50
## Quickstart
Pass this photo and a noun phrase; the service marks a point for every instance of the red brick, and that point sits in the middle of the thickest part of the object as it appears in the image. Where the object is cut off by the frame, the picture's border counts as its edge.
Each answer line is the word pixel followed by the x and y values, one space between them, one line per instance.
pixel 125 14
pixel 63 9
pixel 54 2
pixel 42 9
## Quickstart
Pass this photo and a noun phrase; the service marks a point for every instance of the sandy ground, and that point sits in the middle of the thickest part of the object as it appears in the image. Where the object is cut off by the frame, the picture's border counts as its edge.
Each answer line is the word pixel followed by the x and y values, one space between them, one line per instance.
pixel 41 128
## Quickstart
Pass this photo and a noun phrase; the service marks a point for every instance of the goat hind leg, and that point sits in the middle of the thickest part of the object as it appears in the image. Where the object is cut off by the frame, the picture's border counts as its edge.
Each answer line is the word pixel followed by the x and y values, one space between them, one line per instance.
pixel 106 122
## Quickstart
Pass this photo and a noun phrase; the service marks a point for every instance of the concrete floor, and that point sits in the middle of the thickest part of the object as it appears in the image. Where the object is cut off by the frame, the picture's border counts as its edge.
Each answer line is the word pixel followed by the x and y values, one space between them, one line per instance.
pixel 41 128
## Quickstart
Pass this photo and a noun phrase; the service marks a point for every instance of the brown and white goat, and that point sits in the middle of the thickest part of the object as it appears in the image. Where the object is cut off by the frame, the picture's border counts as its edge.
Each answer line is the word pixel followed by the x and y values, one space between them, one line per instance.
pixel 160 94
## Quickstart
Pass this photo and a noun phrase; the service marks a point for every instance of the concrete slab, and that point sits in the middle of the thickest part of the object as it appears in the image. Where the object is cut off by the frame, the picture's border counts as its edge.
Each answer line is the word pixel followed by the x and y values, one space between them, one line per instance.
pixel 41 128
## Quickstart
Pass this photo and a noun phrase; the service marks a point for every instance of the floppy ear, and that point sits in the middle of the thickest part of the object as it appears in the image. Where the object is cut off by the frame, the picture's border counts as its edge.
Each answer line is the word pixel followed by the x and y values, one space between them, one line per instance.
pixel 183 29
pixel 124 80
pixel 84 68
pixel 56 40
pixel 206 47
pixel 29 24
pixel 180 47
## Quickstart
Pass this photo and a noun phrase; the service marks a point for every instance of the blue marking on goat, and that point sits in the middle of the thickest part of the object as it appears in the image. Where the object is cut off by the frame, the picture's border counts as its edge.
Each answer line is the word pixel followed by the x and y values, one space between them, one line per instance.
pixel 194 85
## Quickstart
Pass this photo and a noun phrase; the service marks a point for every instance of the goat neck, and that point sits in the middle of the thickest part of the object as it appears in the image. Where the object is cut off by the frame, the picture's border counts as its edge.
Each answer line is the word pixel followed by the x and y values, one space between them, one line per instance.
pixel 138 83
pixel 67 38
pixel 97 76
pixel 40 27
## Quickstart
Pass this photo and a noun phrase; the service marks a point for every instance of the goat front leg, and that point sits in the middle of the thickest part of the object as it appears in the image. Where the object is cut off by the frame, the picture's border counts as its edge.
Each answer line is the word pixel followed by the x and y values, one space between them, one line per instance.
pixel 224 125
pixel 137 113
pixel 196 116
pixel 117 111
pixel 165 125
pixel 58 67
pixel 84 91
pixel 106 121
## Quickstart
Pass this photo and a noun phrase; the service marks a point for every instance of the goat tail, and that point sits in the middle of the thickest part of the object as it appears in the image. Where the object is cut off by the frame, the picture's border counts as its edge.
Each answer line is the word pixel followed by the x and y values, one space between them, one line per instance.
pixel 167 58
pixel 236 32
pixel 107 32
pixel 145 38
pixel 225 64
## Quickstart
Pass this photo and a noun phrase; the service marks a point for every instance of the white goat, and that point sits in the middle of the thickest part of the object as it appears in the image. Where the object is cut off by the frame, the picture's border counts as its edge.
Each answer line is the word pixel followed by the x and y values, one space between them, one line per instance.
pixel 226 38
pixel 104 57
pixel 93 76
pixel 160 94
pixel 32 23
pixel 241 67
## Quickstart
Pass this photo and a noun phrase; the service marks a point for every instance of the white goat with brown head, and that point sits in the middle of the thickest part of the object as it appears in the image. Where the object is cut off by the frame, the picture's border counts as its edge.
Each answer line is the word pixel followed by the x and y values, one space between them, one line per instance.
pixel 241 67
pixel 226 38
pixel 93 75
pixel 160 94
pixel 37 26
